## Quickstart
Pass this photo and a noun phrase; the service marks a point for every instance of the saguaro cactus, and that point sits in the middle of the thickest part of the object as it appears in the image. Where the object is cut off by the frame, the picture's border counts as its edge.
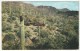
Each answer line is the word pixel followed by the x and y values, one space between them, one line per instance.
pixel 10 15
pixel 39 33
pixel 22 30
pixel 22 33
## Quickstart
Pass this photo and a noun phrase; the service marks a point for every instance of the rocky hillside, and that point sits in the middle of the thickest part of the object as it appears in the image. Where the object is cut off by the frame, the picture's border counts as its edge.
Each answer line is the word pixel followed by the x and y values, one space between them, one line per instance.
pixel 58 30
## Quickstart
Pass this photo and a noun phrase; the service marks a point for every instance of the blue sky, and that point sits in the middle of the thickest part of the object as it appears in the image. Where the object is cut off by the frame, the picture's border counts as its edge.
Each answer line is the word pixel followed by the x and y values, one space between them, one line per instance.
pixel 72 5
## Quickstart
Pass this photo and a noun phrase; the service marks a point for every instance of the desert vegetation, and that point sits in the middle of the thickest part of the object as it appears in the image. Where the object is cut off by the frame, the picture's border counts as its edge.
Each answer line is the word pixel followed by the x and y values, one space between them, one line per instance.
pixel 45 27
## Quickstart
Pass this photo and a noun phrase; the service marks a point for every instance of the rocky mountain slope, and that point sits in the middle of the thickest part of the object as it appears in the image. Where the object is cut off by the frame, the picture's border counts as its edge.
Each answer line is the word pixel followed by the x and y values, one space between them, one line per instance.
pixel 60 30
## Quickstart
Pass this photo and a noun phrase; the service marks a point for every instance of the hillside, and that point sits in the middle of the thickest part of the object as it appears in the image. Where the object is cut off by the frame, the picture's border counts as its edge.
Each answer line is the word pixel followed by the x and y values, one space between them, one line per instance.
pixel 46 27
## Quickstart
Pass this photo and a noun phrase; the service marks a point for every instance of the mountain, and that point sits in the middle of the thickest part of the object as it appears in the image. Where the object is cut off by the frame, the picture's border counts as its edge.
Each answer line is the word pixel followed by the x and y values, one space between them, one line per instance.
pixel 53 10
pixel 49 9
pixel 64 10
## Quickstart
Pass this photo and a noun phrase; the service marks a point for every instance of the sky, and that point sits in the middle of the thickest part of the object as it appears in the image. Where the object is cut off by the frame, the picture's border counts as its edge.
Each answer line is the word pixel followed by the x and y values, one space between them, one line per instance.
pixel 71 5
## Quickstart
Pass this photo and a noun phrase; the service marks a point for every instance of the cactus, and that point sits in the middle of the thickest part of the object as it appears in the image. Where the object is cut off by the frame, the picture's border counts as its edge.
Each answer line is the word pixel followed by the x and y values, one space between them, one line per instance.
pixel 22 30
pixel 39 33
pixel 10 16
pixel 22 34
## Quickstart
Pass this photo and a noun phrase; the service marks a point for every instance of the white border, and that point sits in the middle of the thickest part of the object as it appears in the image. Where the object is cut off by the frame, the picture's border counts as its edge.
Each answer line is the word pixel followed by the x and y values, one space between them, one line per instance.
pixel 33 0
pixel 40 0
pixel 0 28
pixel 79 24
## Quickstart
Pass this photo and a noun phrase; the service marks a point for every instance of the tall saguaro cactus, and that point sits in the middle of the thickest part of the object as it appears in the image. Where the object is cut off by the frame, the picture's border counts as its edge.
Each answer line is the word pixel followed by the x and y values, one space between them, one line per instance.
pixel 10 15
pixel 39 33
pixel 22 29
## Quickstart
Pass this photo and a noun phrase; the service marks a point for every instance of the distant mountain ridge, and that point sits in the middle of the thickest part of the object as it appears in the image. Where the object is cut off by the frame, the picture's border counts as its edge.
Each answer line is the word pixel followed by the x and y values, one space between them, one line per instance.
pixel 41 9
pixel 64 10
